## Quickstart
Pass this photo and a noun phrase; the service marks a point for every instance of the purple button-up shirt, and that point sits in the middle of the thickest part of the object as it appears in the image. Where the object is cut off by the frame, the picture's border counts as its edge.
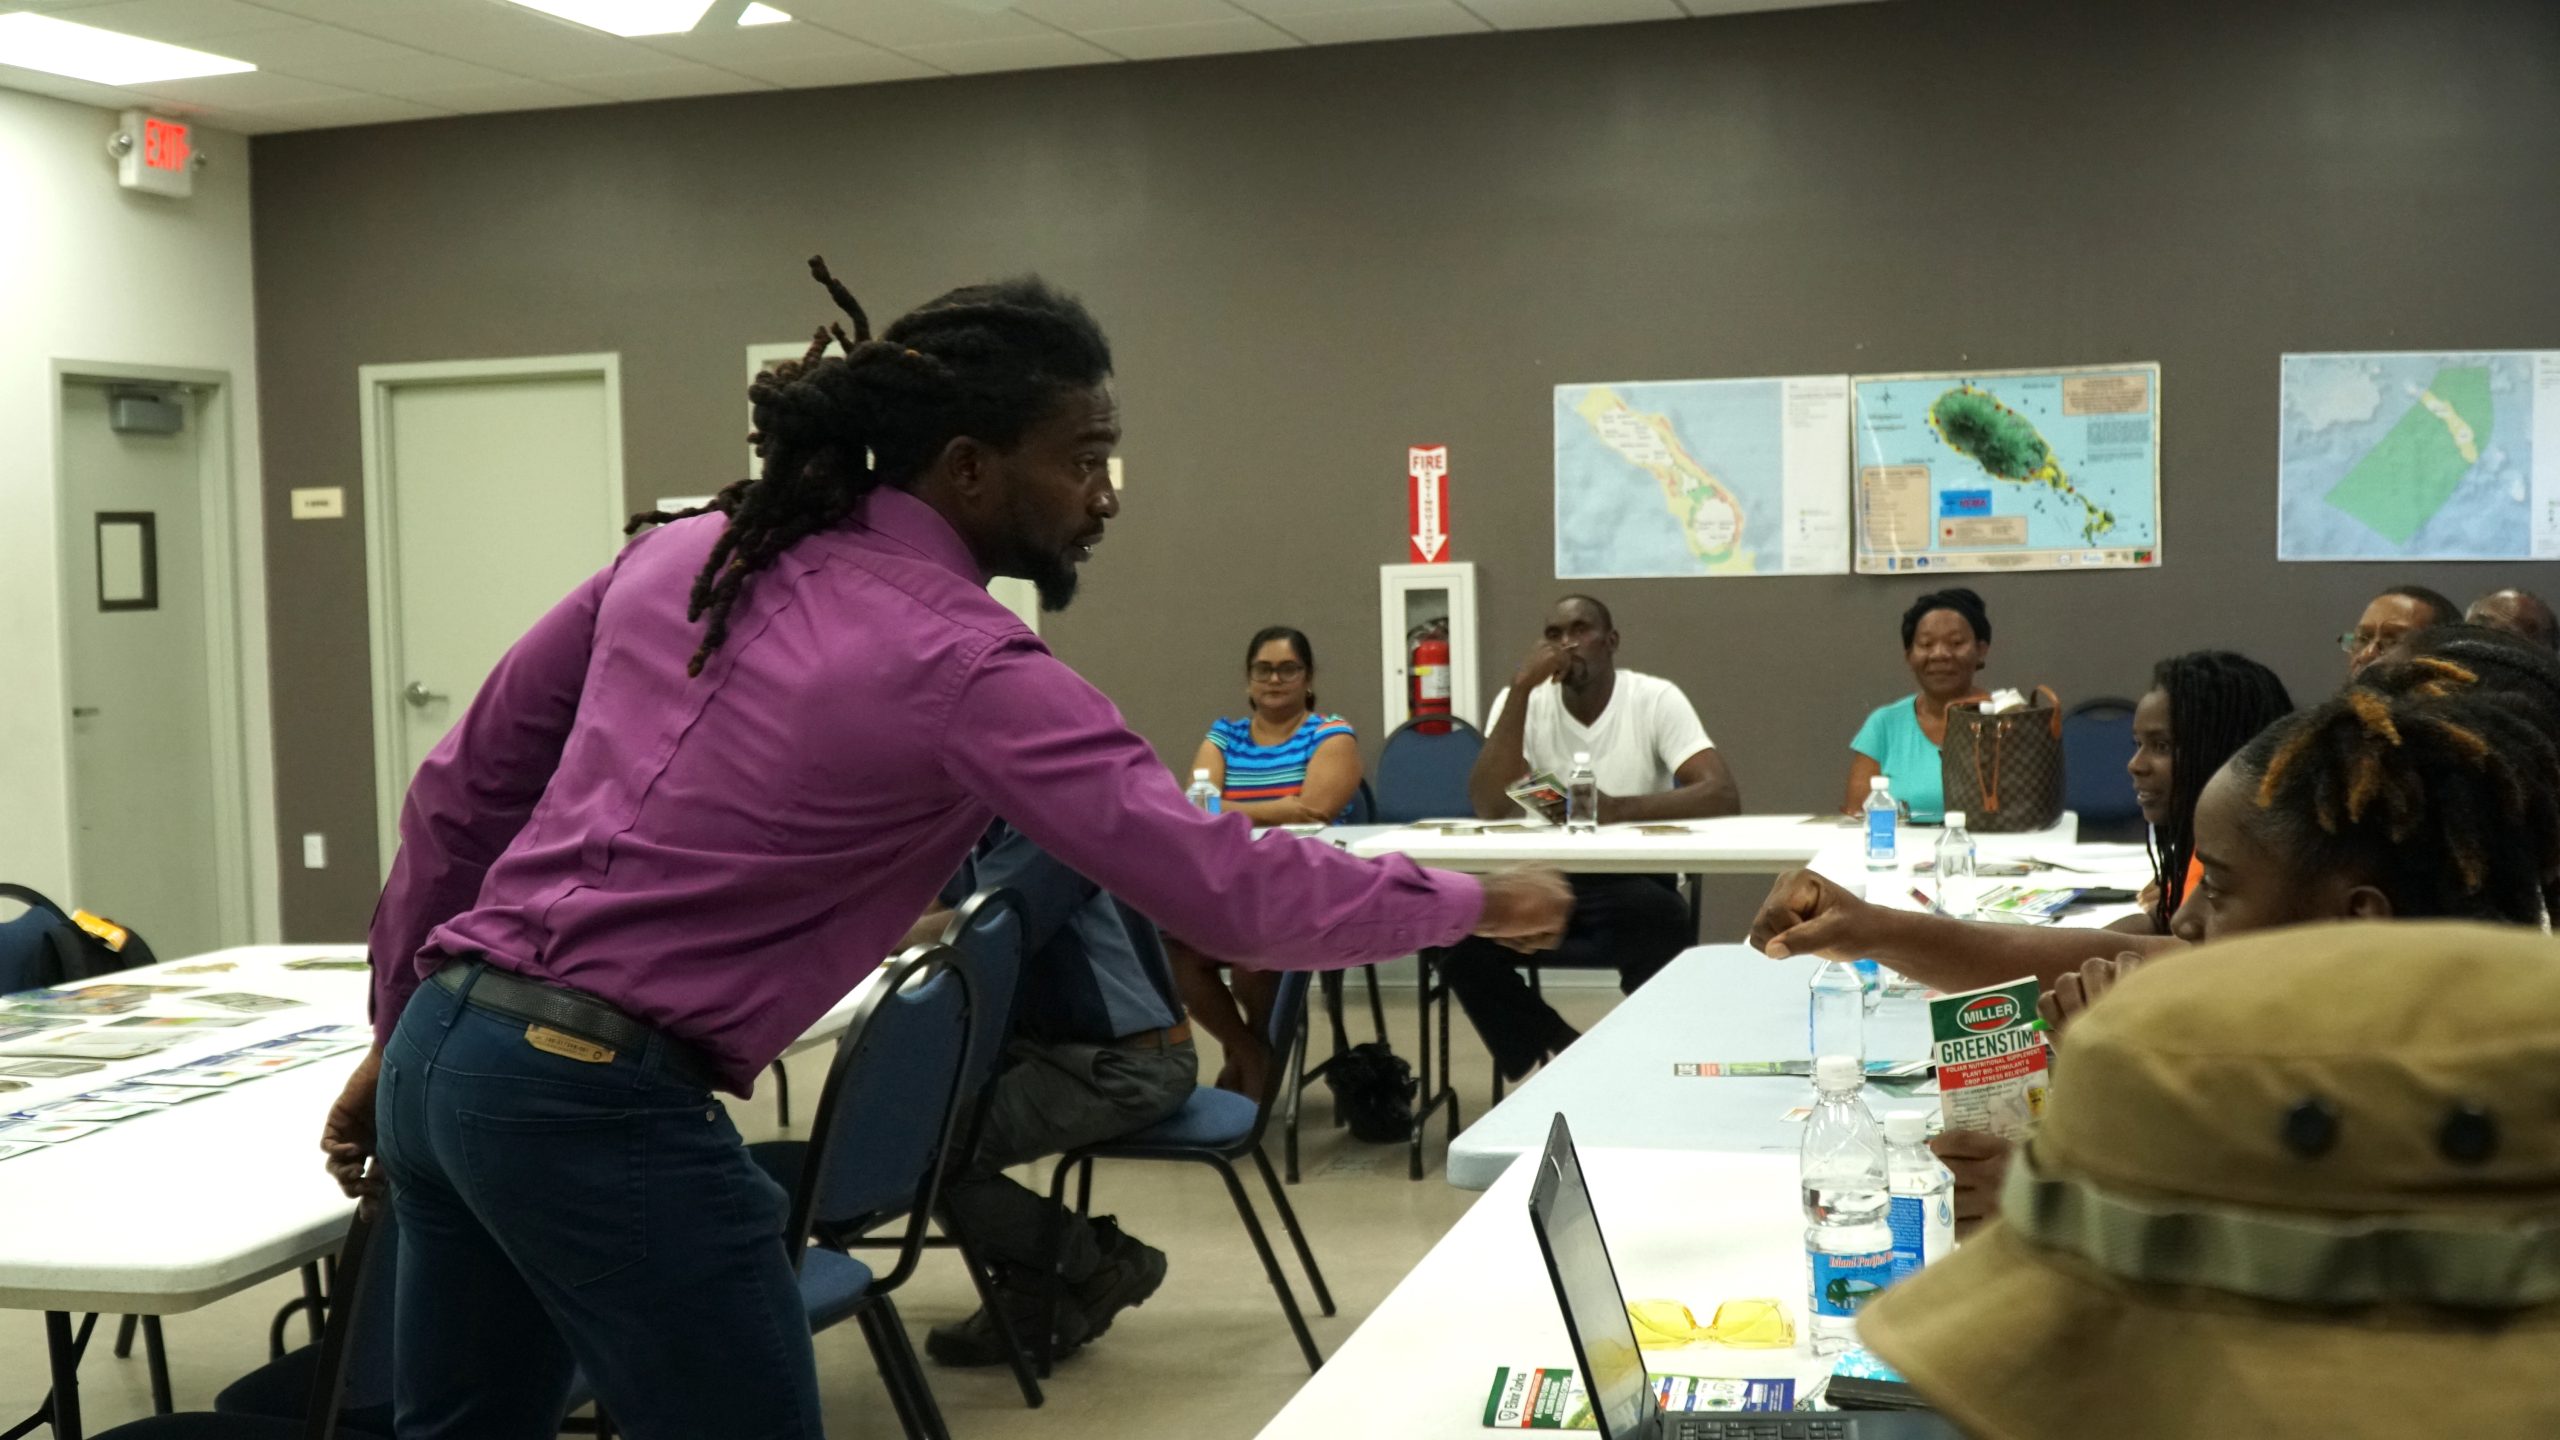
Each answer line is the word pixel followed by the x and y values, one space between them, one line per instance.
pixel 726 856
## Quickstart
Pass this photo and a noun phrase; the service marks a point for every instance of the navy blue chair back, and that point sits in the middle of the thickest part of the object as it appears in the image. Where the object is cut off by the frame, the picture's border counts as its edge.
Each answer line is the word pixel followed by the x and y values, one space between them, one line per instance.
pixel 27 960
pixel 360 1311
pixel 886 1118
pixel 2097 743
pixel 1363 809
pixel 1422 776
pixel 987 928
pixel 1288 1010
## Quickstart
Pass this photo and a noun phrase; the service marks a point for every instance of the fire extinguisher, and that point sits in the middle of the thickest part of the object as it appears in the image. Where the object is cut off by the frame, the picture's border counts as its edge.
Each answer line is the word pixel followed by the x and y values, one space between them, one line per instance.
pixel 1427 691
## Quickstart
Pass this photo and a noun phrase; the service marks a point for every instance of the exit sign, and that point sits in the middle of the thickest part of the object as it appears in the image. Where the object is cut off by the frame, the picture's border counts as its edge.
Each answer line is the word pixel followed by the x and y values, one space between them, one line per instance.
pixel 156 155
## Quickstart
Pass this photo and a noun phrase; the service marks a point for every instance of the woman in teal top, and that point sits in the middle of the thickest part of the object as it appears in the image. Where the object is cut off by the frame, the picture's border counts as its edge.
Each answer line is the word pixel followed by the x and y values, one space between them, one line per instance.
pixel 1946 638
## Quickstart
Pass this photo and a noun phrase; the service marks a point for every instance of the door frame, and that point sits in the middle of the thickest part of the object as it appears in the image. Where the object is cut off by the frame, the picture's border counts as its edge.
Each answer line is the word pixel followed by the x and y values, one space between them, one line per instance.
pixel 238 701
pixel 374 383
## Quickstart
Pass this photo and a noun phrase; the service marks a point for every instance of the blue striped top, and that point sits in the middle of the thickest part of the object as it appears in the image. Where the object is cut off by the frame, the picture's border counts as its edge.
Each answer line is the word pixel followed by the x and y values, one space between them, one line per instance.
pixel 1271 772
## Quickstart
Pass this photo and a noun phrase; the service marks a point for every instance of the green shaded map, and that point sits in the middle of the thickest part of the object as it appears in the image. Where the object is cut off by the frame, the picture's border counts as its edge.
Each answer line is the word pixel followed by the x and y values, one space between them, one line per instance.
pixel 2404 481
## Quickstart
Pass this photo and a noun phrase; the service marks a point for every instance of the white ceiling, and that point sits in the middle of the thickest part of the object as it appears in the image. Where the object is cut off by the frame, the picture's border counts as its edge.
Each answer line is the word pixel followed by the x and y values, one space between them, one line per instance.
pixel 358 62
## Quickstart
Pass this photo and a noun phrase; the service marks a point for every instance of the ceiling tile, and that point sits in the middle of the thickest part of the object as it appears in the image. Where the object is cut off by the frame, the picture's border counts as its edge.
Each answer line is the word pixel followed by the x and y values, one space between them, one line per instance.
pixel 63 87
pixel 308 48
pixel 1207 37
pixel 414 72
pixel 1540 14
pixel 506 38
pixel 667 84
pixel 870 66
pixel 1376 22
pixel 506 95
pixel 353 110
pixel 797 40
pixel 182 22
pixel 1028 52
pixel 1085 16
pixel 1703 8
pixel 904 24
pixel 257 90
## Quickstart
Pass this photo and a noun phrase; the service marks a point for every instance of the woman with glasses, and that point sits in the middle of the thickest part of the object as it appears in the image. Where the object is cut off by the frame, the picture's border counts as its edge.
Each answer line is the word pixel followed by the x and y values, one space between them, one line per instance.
pixel 1946 638
pixel 1283 763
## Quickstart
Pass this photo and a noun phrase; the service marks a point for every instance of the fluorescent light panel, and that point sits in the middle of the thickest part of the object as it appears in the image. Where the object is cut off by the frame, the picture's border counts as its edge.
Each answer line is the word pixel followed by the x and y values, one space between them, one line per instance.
pixel 625 17
pixel 85 52
pixel 761 14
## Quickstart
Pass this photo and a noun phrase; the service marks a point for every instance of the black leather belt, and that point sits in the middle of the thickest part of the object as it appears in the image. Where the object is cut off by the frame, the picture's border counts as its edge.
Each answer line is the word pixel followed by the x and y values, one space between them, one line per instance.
pixel 577 1013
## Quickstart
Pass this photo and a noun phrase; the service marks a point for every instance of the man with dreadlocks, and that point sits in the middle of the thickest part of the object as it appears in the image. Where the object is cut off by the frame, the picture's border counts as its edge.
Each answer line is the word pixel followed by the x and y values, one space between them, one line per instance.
pixel 700 800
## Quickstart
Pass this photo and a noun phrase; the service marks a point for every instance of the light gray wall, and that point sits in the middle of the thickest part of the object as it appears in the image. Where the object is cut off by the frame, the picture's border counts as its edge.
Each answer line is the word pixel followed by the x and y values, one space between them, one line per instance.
pixel 1309 260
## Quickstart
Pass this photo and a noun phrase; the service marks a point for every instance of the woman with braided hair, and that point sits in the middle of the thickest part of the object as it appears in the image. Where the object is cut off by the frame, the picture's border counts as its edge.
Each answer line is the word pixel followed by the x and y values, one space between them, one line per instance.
pixel 700 800
pixel 2201 708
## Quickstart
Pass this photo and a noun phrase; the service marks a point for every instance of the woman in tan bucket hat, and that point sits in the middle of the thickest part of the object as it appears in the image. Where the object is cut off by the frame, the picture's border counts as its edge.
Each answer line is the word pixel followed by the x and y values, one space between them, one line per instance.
pixel 2302 1184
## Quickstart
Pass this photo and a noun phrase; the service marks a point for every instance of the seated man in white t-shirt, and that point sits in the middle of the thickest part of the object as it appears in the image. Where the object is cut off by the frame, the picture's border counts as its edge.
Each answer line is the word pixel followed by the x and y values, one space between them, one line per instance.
pixel 1653 761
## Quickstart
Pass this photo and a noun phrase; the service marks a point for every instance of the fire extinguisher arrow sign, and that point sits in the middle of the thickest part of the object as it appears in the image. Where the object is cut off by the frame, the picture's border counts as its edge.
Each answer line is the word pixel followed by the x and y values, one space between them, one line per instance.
pixel 1427 508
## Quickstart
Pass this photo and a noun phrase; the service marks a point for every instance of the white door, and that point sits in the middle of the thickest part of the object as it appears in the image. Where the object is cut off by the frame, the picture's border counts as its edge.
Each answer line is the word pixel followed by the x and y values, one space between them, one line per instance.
pixel 491 490
pixel 146 848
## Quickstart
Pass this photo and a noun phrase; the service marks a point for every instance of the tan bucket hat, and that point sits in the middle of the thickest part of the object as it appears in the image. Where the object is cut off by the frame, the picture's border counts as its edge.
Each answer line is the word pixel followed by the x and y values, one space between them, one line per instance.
pixel 2306 1183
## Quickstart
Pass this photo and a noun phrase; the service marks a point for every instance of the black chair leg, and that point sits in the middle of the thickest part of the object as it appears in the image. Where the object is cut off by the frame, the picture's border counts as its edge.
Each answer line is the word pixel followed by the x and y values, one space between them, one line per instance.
pixel 1377 1006
pixel 1297 1236
pixel 893 1376
pixel 1270 1263
pixel 1053 1279
pixel 1084 1188
pixel 1015 1355
pixel 315 1305
pixel 125 1329
pixel 1297 1093
pixel 604 1425
pixel 155 1356
pixel 781 1095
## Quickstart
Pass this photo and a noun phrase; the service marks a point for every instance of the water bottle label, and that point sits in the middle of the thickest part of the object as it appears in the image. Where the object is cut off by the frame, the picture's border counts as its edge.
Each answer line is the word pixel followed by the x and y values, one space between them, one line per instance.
pixel 1842 1283
pixel 1909 1218
pixel 1880 828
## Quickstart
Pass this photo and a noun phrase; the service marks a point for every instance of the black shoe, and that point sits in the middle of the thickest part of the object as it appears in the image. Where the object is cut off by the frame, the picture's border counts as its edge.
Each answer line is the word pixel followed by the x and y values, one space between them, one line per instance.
pixel 978 1340
pixel 1129 1272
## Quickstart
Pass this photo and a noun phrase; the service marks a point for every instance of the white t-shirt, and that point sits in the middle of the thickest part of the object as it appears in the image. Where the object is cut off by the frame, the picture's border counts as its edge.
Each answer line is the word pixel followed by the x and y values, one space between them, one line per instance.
pixel 1636 746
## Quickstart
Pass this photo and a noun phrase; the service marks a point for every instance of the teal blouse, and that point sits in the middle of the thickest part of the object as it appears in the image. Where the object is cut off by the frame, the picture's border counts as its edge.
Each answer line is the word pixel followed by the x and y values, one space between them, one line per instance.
pixel 1892 737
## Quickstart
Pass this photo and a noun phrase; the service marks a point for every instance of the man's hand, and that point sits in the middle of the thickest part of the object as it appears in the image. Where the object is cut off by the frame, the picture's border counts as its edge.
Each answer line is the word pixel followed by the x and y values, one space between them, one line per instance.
pixel 1546 661
pixel 347 1136
pixel 1979 1161
pixel 2072 994
pixel 1526 908
pixel 1806 914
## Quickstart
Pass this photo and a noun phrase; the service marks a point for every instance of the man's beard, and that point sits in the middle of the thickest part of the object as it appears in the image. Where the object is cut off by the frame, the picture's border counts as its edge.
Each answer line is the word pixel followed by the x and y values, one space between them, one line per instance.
pixel 1055 580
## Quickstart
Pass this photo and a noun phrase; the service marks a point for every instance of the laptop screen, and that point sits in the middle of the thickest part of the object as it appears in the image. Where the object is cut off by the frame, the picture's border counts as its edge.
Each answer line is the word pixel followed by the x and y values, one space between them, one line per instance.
pixel 1595 1311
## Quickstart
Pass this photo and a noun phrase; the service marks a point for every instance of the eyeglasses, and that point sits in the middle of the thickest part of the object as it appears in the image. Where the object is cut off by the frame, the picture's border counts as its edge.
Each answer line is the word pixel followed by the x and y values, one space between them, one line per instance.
pixel 1285 670
pixel 2355 640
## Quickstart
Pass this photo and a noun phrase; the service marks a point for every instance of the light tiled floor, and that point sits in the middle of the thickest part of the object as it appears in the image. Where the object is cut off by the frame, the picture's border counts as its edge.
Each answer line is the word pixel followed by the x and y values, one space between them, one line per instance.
pixel 1209 1357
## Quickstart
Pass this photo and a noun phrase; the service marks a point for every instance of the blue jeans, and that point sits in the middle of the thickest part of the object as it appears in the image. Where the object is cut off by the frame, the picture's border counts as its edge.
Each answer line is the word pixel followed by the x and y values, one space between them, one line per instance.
pixel 560 1217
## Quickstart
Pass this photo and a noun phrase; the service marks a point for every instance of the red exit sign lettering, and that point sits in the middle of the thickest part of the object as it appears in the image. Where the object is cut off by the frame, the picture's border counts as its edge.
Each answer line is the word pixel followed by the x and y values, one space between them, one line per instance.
pixel 156 155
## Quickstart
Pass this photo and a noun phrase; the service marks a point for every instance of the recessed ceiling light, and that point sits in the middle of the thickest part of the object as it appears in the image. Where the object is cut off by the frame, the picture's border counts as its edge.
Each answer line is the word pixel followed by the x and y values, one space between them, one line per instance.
pixel 625 17
pixel 762 15
pixel 85 52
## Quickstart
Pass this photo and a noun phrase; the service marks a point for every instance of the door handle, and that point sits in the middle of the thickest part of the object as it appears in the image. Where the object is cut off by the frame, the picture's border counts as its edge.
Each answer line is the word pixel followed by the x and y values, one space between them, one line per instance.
pixel 419 695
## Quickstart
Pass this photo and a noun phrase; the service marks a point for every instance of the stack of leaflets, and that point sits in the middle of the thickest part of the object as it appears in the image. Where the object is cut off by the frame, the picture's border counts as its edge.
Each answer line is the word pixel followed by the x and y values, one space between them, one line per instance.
pixel 2020 905
pixel 1991 1058
pixel 1529 1397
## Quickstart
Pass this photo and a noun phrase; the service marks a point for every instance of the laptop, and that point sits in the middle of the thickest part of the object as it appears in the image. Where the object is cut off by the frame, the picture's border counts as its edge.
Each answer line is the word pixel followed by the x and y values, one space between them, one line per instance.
pixel 1604 1339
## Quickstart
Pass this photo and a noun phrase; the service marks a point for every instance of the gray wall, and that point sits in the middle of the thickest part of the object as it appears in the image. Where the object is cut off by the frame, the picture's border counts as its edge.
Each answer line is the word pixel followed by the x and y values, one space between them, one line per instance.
pixel 1309 260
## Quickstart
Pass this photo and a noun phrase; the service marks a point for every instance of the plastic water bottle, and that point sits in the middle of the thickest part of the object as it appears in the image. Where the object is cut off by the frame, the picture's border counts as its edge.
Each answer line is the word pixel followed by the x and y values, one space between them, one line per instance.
pixel 1882 816
pixel 1582 796
pixel 1203 792
pixel 1848 1243
pixel 1959 893
pixel 1923 1213
pixel 1837 1027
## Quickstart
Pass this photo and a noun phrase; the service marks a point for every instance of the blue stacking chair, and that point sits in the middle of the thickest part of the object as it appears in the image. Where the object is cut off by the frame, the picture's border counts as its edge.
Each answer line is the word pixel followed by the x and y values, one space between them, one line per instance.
pixel 328 1373
pixel 1422 776
pixel 1215 1128
pixel 2097 743
pixel 26 955
pixel 885 1126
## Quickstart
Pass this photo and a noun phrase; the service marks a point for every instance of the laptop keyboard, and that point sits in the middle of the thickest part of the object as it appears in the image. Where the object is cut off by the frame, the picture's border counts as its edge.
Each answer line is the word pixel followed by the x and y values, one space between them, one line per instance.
pixel 1760 1427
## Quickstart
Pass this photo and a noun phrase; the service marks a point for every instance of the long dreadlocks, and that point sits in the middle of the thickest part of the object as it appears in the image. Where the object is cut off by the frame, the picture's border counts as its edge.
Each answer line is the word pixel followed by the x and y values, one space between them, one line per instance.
pixel 984 361
pixel 2446 798
pixel 2218 702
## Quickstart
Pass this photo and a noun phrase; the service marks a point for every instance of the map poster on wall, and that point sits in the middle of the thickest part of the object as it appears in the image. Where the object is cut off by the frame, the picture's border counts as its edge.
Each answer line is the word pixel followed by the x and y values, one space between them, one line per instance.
pixel 2429 456
pixel 1702 477
pixel 2008 469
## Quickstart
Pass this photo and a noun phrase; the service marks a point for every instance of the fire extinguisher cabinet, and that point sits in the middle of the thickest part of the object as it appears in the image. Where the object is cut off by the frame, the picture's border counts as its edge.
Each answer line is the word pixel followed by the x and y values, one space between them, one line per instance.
pixel 1419 604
